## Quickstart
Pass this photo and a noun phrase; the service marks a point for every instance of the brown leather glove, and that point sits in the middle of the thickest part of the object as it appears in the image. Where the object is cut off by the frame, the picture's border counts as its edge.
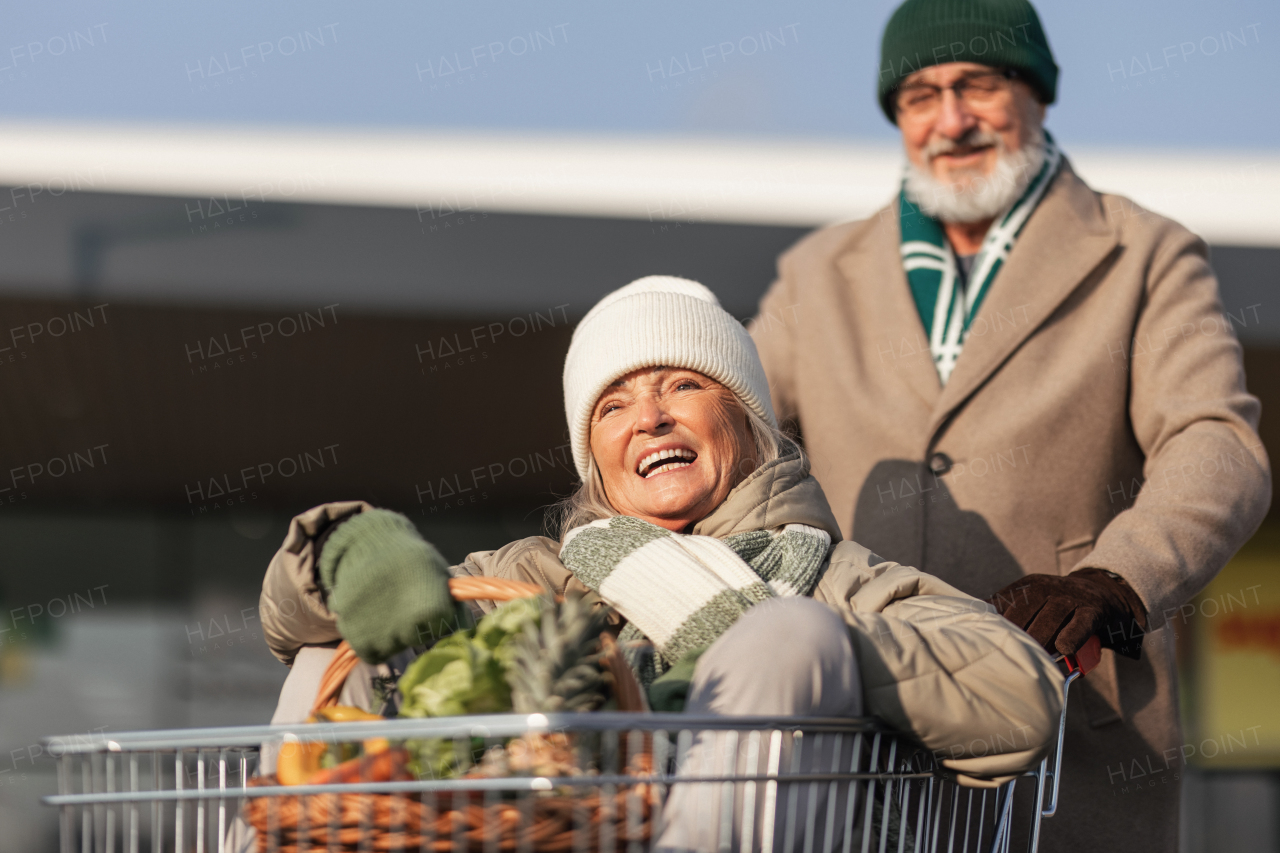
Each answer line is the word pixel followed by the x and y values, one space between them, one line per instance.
pixel 1062 613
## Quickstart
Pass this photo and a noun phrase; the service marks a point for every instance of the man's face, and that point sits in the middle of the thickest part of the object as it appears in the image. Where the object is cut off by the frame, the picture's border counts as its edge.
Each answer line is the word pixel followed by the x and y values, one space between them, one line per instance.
pixel 960 139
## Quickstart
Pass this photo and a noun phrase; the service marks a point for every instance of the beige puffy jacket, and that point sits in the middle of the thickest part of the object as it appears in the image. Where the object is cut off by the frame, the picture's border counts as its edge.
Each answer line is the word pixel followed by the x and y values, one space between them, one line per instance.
pixel 935 663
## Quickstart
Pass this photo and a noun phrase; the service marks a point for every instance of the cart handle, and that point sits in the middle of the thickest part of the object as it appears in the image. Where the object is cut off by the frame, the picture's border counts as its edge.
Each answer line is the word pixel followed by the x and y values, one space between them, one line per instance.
pixel 1085 658
pixel 1079 664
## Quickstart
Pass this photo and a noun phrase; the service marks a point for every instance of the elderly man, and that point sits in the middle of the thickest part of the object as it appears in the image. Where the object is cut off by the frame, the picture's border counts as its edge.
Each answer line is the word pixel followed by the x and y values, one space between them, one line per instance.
pixel 1030 390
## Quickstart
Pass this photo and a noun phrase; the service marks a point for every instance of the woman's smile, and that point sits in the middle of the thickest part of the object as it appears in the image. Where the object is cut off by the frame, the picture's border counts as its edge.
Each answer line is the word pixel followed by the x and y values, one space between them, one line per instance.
pixel 665 460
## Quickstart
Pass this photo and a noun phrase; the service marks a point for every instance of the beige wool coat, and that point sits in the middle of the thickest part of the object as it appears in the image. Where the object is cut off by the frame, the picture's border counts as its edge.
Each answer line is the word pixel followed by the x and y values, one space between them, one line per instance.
pixel 934 662
pixel 1097 417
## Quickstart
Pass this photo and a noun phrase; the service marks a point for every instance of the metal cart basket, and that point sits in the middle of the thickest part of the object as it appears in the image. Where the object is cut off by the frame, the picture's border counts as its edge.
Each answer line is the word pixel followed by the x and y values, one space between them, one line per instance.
pixel 605 781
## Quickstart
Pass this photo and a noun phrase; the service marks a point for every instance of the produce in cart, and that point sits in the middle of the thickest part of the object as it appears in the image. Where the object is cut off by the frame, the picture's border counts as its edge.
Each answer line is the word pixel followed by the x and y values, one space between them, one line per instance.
pixel 529 655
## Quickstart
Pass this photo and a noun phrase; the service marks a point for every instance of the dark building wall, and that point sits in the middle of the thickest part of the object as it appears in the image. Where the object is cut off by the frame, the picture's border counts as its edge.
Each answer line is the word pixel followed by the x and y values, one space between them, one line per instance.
pixel 191 408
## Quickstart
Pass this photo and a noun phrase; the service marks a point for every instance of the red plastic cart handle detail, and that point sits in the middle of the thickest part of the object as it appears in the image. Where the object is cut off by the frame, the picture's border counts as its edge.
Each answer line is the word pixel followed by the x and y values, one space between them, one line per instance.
pixel 1086 657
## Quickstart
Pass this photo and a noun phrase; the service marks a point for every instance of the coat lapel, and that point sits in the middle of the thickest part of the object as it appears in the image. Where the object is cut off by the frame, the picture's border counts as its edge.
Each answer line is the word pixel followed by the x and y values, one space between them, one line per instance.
pixel 1064 240
pixel 872 266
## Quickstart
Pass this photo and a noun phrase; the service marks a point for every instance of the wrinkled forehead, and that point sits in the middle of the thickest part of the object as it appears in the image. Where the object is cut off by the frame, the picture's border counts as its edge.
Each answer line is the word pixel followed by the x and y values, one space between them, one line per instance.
pixel 947 73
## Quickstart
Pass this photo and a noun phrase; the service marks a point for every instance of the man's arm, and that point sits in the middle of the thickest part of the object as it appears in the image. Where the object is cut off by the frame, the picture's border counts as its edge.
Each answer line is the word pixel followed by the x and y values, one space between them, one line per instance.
pixel 1207 477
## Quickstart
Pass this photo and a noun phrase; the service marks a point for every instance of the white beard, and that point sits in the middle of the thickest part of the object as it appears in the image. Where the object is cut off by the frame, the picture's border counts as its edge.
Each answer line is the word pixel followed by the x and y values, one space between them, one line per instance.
pixel 980 197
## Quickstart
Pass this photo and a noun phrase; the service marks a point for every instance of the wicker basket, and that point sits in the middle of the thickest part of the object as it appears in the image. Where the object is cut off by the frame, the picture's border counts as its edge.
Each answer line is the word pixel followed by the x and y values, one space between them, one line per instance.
pixel 356 822
pixel 458 821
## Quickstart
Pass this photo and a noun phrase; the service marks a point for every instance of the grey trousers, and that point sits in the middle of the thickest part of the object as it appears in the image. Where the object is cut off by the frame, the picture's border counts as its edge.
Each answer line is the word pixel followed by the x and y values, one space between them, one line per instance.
pixel 784 657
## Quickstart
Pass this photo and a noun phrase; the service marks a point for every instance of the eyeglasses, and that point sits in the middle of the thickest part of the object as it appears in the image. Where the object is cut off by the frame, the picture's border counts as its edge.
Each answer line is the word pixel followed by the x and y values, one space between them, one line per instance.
pixel 923 100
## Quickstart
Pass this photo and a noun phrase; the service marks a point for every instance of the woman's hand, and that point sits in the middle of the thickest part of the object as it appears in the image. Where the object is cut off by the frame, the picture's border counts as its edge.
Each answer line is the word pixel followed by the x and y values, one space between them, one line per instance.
pixel 388 586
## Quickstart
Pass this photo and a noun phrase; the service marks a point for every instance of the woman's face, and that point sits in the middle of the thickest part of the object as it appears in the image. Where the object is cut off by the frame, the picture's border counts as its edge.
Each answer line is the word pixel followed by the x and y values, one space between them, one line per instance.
pixel 670 445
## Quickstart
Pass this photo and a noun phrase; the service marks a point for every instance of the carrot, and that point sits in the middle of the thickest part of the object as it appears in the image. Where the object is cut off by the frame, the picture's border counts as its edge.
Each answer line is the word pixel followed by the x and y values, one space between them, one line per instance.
pixel 384 766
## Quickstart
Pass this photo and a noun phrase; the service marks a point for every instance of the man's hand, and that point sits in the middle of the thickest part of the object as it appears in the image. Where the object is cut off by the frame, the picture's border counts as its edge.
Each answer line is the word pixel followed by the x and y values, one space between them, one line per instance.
pixel 1062 613
pixel 388 586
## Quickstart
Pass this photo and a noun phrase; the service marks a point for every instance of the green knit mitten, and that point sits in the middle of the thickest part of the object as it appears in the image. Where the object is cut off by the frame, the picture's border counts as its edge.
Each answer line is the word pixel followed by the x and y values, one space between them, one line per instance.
pixel 388 586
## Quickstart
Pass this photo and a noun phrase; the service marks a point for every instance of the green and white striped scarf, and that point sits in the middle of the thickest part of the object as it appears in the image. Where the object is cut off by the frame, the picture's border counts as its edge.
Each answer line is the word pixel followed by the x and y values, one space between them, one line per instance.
pixel 682 591
pixel 946 309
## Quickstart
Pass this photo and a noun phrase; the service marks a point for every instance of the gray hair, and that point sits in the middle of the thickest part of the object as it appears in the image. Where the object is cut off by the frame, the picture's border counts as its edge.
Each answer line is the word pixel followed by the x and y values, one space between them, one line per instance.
pixel 589 503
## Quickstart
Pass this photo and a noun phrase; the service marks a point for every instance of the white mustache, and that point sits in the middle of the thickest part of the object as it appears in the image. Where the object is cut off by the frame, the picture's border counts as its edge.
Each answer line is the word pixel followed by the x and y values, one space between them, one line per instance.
pixel 973 139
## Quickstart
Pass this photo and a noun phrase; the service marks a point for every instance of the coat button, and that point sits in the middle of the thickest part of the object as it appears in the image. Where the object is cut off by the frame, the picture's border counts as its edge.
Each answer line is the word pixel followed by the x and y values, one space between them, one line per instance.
pixel 939 463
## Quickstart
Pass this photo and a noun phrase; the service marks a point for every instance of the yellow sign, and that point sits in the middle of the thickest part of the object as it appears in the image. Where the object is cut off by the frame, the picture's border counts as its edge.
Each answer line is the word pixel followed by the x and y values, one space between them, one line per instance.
pixel 1232 677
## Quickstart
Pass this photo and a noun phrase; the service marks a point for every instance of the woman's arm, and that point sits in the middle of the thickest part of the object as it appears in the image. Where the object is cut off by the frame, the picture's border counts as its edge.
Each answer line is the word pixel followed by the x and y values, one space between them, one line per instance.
pixel 292 606
pixel 944 667
pixel 351 571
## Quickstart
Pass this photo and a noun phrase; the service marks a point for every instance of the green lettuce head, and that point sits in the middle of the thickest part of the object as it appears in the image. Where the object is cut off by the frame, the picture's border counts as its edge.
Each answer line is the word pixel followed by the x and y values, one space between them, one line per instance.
pixel 465 673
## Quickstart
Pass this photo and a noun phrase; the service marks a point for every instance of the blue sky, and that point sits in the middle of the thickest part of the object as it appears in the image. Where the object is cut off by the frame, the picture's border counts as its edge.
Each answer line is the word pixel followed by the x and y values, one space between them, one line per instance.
pixel 1165 73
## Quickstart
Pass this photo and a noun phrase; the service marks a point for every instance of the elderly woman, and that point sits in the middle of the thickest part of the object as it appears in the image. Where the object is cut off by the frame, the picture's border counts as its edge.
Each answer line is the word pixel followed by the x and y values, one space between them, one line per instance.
pixel 700 524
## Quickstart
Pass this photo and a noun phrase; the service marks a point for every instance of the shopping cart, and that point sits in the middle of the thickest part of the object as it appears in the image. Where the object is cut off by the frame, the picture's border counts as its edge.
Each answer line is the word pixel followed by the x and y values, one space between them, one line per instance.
pixel 606 781
pixel 622 782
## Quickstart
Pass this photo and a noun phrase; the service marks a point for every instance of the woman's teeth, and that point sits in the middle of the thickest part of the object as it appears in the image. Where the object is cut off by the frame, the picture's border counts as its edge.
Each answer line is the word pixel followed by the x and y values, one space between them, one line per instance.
pixel 670 466
pixel 656 463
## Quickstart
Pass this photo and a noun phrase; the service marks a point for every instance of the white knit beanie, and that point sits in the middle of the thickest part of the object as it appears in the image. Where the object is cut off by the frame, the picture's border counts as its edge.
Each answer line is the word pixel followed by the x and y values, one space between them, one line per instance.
pixel 657 320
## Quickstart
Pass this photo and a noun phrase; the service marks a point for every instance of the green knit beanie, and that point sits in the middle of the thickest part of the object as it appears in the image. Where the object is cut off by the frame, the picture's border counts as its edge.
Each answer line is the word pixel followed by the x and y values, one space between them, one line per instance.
pixel 999 33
